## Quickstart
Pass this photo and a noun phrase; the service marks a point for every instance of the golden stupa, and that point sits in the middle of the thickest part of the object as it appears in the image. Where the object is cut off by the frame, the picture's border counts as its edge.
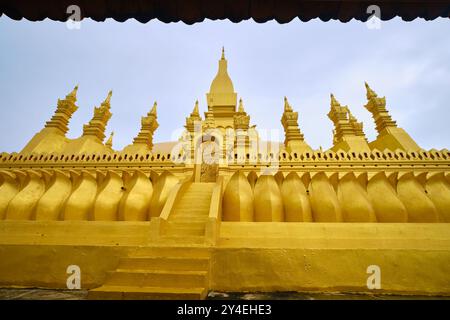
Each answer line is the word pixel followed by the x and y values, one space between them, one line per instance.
pixel 222 210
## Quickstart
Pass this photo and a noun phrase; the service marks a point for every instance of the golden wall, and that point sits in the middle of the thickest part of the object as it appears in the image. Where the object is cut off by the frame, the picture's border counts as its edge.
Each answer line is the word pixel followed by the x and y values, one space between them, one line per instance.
pixel 312 186
pixel 249 256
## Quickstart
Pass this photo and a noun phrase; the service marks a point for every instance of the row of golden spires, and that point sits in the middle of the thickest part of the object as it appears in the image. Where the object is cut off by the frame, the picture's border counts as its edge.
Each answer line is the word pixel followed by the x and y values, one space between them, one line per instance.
pixel 348 134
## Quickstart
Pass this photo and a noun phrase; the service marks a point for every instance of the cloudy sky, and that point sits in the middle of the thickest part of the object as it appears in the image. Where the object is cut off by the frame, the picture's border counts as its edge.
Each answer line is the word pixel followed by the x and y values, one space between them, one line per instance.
pixel 408 62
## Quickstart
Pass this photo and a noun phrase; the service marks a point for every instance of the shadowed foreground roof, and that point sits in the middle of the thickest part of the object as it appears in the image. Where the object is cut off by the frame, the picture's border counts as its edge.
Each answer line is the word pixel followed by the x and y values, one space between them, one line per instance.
pixel 191 11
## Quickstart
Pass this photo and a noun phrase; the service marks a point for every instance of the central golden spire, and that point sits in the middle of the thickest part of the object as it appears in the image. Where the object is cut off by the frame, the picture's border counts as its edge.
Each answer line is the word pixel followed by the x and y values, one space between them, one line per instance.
pixel 222 82
pixel 221 98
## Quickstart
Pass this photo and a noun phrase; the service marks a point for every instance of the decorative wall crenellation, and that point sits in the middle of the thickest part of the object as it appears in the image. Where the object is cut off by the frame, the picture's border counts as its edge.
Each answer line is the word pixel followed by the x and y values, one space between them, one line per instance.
pixel 240 158
pixel 330 156
pixel 15 158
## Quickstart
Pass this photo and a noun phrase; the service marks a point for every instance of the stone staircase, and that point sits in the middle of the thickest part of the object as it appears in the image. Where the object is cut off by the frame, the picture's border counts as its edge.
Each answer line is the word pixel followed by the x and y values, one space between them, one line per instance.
pixel 188 221
pixel 178 266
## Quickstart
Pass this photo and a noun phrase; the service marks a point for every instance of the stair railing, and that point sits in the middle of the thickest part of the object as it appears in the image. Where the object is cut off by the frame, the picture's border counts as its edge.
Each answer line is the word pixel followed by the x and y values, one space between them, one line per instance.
pixel 215 214
pixel 159 224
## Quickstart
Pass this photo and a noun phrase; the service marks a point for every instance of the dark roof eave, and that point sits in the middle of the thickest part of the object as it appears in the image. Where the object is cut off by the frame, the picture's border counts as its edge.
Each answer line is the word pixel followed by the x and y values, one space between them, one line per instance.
pixel 192 11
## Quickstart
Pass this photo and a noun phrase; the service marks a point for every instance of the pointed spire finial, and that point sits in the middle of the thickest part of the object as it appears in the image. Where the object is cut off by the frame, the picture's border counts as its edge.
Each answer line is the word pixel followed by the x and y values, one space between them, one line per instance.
pixel 153 111
pixel 241 106
pixel 369 92
pixel 195 111
pixel 73 93
pixel 109 143
pixel 108 98
pixel 223 53
pixel 334 102
pixel 287 106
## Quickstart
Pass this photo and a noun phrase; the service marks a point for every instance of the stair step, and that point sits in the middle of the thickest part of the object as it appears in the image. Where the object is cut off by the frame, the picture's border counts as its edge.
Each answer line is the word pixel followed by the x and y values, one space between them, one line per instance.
pixel 165 263
pixel 196 210
pixel 204 205
pixel 181 232
pixel 193 211
pixel 170 251
pixel 182 240
pixel 146 293
pixel 203 185
pixel 187 224
pixel 189 218
pixel 199 216
pixel 186 212
pixel 198 193
pixel 158 278
pixel 195 203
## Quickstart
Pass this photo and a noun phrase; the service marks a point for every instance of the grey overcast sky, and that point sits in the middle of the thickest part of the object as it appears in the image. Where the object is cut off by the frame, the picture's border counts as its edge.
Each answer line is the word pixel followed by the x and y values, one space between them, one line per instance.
pixel 408 62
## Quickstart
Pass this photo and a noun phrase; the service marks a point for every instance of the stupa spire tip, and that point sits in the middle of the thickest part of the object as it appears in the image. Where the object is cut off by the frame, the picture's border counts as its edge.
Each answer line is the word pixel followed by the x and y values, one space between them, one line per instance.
pixel 153 111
